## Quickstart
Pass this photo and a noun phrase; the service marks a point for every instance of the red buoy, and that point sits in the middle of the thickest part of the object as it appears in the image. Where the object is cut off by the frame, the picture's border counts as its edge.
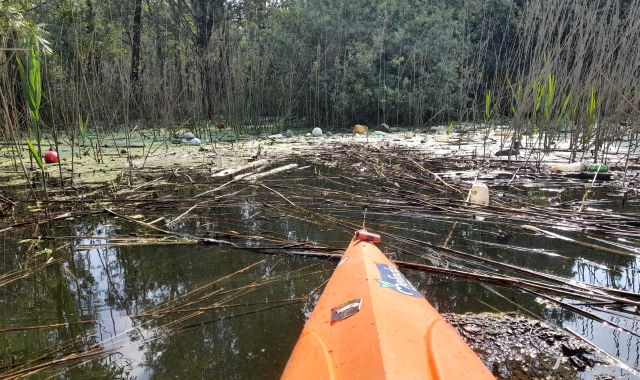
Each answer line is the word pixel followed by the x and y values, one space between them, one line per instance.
pixel 51 157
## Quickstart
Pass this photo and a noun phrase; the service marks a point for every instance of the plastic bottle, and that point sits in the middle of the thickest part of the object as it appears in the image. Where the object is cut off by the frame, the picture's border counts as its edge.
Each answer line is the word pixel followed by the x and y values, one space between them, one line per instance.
pixel 572 167
pixel 600 168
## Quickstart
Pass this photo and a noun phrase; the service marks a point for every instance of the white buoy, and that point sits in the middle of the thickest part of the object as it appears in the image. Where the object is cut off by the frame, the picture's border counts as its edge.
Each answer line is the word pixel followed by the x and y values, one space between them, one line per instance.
pixel 194 141
pixel 479 194
pixel 317 132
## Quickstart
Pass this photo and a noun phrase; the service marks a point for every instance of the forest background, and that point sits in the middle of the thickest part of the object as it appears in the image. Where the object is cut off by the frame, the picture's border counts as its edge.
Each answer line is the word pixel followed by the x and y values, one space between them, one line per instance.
pixel 552 65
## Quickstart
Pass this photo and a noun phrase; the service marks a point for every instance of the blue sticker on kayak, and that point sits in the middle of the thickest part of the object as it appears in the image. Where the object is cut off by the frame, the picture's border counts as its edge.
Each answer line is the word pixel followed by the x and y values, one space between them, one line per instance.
pixel 393 279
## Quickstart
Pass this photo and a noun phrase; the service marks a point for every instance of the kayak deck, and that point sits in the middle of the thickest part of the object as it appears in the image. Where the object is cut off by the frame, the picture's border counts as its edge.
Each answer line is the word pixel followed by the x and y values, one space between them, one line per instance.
pixel 371 323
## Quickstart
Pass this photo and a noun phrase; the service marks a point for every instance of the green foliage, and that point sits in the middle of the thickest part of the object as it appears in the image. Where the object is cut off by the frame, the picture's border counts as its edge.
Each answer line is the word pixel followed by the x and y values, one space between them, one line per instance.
pixel 28 89
pixel 82 127
pixel 32 82
pixel 488 109
pixel 382 59
pixel 35 154
pixel 516 95
pixel 325 62
pixel 565 104
pixel 333 62
pixel 551 84
pixel 593 104
pixel 592 112
pixel 14 20
pixel 538 91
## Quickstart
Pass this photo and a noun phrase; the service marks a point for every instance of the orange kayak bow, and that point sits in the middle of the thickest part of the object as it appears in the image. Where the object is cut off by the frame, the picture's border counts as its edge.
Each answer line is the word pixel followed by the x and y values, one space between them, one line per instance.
pixel 371 323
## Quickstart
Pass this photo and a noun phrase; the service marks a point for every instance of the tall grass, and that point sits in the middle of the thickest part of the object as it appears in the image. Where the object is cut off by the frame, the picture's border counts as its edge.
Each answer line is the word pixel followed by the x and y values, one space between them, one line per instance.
pixel 589 53
pixel 31 80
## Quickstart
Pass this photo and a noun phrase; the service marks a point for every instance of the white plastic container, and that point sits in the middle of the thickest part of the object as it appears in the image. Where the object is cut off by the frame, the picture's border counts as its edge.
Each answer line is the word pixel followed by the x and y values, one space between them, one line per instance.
pixel 479 194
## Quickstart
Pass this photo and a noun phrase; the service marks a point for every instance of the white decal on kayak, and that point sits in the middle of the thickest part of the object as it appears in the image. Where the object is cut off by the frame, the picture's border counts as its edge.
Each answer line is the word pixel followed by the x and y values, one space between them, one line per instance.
pixel 344 260
pixel 393 279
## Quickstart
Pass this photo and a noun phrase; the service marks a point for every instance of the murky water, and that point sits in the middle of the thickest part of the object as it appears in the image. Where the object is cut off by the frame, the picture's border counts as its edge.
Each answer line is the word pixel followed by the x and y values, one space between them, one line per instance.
pixel 182 310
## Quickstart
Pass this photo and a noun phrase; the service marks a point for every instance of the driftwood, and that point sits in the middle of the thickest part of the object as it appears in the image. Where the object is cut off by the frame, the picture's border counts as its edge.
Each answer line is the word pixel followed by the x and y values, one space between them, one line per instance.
pixel 230 171
pixel 255 177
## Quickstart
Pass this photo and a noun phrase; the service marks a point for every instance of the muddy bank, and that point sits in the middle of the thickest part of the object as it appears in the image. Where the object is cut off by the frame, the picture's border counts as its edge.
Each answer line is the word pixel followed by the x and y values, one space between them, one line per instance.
pixel 518 348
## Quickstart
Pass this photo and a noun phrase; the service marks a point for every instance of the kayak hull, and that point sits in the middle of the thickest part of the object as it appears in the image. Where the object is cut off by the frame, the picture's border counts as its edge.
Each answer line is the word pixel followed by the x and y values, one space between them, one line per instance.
pixel 371 323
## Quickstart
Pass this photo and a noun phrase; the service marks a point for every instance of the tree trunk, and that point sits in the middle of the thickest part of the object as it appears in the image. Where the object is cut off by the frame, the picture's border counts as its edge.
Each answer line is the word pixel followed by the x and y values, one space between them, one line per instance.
pixel 204 12
pixel 135 43
pixel 91 68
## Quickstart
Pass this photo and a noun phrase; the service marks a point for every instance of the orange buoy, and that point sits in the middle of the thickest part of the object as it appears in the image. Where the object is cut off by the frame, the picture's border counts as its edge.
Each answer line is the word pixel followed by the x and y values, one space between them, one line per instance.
pixel 371 323
pixel 360 129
